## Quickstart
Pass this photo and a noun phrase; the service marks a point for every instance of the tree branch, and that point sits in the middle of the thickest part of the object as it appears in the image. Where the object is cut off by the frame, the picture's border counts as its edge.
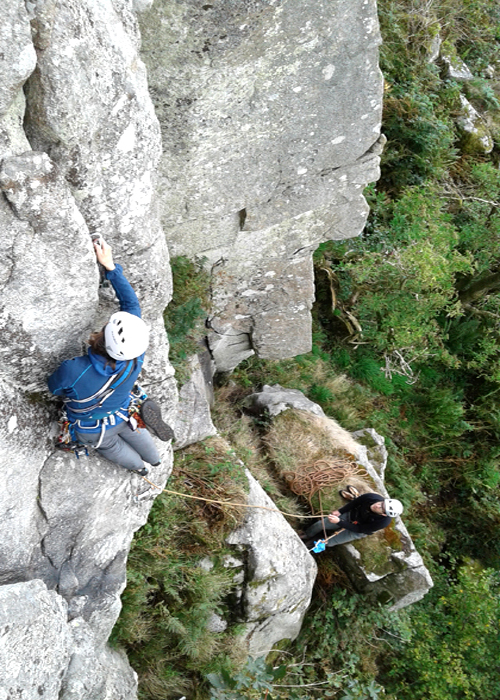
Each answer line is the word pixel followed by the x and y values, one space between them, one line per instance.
pixel 473 199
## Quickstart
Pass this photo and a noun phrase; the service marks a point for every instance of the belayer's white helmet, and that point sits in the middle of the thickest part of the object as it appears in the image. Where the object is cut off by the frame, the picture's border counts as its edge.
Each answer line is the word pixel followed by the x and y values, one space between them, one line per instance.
pixel 393 507
pixel 125 336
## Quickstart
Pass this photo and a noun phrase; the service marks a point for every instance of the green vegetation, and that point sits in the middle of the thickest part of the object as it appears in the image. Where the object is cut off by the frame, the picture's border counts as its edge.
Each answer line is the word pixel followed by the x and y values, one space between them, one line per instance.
pixel 406 340
pixel 454 643
pixel 185 315
pixel 171 593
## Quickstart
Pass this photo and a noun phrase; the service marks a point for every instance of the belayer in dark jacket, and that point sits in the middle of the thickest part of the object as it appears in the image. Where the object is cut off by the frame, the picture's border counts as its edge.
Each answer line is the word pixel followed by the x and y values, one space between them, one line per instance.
pixel 96 387
pixel 359 517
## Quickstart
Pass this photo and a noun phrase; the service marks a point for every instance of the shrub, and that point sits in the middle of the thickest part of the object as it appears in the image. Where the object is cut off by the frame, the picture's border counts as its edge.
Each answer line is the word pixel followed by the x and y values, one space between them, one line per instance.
pixel 453 652
pixel 184 316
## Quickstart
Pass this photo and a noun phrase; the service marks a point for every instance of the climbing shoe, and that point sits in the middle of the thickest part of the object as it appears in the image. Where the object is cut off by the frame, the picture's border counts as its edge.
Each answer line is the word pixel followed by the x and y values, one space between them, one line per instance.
pixel 151 415
pixel 349 493
pixel 142 472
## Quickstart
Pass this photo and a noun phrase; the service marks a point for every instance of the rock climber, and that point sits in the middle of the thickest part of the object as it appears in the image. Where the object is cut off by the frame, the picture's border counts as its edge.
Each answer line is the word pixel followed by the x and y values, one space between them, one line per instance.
pixel 362 515
pixel 97 386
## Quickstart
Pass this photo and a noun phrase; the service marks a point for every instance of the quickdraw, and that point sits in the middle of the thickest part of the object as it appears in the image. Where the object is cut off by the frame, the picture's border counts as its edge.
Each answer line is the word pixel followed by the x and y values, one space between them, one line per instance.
pixel 65 441
pixel 138 396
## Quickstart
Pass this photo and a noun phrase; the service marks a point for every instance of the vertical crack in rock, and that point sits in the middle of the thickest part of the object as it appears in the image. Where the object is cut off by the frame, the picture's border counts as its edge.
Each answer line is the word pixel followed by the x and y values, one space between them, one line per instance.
pixel 242 216
pixel 45 518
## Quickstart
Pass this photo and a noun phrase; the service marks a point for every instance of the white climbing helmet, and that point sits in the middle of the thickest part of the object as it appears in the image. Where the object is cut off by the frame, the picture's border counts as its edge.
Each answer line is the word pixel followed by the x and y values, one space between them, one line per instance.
pixel 125 336
pixel 393 507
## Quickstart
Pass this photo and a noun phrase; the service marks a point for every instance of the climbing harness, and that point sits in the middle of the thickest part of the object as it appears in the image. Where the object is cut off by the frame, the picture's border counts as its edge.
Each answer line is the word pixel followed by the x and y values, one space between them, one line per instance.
pixel 107 390
pixel 138 396
pixel 65 440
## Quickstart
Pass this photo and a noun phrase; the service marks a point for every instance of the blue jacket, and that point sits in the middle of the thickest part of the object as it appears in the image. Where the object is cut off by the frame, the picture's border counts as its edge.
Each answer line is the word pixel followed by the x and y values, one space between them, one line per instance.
pixel 83 376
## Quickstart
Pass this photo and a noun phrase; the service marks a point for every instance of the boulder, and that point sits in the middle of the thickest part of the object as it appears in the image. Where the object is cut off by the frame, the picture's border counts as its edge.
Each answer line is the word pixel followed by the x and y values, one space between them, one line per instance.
pixel 279 576
pixel 454 67
pixel 475 136
pixel 193 421
pixel 275 399
pixel 386 564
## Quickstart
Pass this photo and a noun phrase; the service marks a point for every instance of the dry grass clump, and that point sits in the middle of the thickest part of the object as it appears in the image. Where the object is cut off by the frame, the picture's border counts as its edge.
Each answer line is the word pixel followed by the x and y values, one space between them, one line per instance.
pixel 316 458
pixel 241 431
pixel 296 437
pixel 211 470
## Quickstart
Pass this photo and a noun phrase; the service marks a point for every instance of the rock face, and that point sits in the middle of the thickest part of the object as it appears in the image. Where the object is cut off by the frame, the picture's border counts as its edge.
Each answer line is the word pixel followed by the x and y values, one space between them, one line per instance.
pixel 78 156
pixel 280 574
pixel 270 128
pixel 33 621
pixel 193 421
pixel 270 115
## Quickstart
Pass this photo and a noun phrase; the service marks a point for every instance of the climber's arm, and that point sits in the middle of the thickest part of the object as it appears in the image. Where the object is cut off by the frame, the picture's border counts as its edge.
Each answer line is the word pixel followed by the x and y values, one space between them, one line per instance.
pixel 114 273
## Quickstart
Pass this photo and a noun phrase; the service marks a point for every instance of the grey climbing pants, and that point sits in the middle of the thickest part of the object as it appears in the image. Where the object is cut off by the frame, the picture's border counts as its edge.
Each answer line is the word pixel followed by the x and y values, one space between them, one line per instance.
pixel 316 532
pixel 124 446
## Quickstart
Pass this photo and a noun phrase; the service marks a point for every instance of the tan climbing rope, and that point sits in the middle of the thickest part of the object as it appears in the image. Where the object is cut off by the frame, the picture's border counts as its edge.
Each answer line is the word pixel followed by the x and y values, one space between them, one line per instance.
pixel 246 505
pixel 228 503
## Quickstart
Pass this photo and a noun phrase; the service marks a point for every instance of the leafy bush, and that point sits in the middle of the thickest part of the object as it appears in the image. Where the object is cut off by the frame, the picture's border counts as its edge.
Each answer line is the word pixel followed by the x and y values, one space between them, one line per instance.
pixel 170 597
pixel 254 680
pixel 455 638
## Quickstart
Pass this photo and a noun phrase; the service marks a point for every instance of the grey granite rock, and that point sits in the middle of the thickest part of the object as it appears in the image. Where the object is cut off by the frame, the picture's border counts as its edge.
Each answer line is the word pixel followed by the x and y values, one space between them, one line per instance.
pixel 270 116
pixel 193 421
pixel 455 68
pixel 475 136
pixel 276 399
pixel 96 672
pixel 279 577
pixel 47 243
pixel 17 53
pixel 96 121
pixel 36 642
pixel 42 655
pixel 91 122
